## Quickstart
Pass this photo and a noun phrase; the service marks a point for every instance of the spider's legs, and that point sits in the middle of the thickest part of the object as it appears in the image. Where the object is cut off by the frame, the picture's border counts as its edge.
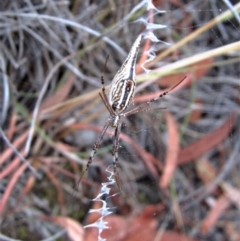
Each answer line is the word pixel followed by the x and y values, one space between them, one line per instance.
pixel 98 143
pixel 115 150
pixel 95 148
pixel 106 103
pixel 103 88
pixel 144 106
pixel 104 95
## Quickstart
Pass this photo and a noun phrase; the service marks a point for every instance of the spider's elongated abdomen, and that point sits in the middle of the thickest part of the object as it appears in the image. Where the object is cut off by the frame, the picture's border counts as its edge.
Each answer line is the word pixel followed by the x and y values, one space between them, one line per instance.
pixel 123 85
pixel 123 94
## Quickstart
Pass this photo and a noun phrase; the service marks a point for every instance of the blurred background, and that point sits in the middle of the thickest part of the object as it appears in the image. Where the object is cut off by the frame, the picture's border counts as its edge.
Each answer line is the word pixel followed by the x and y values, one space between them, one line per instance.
pixel 179 170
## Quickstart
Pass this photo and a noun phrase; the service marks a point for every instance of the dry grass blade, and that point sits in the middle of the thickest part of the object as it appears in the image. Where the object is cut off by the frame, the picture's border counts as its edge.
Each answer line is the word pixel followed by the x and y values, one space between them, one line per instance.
pixel 207 142
pixel 172 151
pixel 74 229
pixel 187 62
pixel 225 15
pixel 10 187
pixel 20 156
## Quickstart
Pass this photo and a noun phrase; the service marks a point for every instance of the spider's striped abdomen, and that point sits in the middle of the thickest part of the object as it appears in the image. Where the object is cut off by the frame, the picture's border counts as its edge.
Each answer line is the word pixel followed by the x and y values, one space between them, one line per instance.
pixel 123 85
pixel 123 95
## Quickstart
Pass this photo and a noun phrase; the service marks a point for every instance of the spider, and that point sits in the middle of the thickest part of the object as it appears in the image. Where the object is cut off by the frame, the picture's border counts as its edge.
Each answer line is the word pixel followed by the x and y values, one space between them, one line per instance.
pixel 121 93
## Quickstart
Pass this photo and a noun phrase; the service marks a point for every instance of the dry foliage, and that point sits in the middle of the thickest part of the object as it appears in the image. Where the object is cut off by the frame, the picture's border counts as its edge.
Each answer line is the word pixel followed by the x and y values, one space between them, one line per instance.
pixel 179 167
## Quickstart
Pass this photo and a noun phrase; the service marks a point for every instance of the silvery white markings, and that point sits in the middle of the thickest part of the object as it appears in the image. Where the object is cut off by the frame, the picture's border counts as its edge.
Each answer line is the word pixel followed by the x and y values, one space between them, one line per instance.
pixel 120 95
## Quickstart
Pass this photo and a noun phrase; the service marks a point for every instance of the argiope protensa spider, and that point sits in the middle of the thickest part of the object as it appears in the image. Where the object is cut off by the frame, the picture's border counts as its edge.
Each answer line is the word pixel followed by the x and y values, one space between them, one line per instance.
pixel 120 95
